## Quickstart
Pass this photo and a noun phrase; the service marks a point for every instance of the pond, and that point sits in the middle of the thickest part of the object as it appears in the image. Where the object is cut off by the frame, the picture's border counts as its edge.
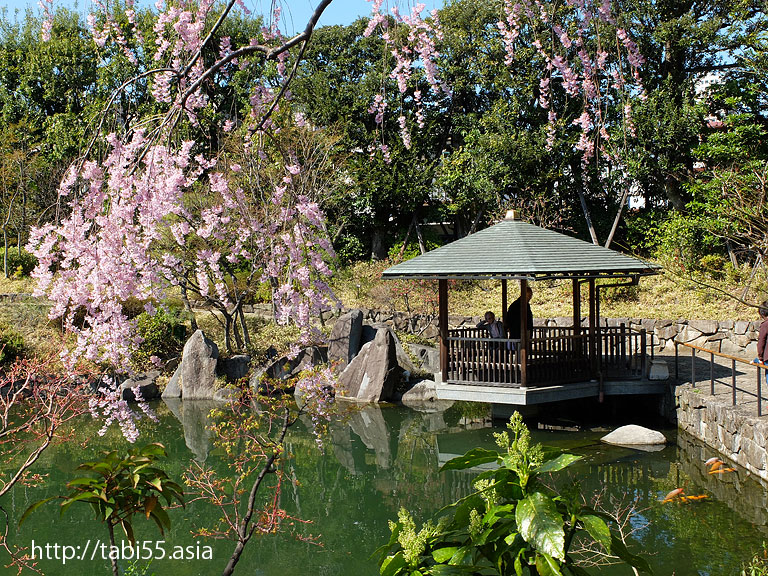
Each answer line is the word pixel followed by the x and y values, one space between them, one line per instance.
pixel 381 458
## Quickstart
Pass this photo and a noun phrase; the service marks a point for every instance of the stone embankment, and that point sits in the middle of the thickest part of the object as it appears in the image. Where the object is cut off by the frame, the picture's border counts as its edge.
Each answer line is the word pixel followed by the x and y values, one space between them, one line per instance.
pixel 738 338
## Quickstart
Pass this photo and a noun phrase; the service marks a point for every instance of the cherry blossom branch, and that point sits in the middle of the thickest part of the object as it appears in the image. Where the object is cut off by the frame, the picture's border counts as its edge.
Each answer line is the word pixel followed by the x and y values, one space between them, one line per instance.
pixel 115 93
pixel 283 89
pixel 269 53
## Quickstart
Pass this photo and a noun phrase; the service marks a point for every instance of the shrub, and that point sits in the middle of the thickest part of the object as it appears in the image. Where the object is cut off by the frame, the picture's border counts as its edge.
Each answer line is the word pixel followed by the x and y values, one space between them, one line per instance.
pixel 11 344
pixel 713 265
pixel 262 294
pixel 758 566
pixel 20 263
pixel 350 249
pixel 163 336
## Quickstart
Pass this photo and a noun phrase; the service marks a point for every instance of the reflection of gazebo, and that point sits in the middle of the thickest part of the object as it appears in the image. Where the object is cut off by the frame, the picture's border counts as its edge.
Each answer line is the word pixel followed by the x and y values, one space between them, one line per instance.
pixel 547 363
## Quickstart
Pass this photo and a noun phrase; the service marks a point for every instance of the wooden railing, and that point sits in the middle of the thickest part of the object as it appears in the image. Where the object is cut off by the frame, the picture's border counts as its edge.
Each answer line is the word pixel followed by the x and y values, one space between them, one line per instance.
pixel 622 352
pixel 475 358
pixel 555 355
pixel 558 358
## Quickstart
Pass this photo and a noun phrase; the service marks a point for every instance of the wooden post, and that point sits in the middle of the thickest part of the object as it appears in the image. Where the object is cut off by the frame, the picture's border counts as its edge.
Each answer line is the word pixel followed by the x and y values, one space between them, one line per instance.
pixel 576 307
pixel 442 307
pixel 592 328
pixel 523 355
pixel 504 305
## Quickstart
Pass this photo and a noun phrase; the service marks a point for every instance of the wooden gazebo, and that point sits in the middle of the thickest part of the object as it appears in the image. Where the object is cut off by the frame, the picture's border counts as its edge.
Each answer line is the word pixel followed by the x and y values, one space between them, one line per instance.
pixel 546 363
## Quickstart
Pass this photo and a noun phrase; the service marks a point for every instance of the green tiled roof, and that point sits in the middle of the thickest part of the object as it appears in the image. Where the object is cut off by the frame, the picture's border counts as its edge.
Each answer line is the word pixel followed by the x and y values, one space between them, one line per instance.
pixel 516 249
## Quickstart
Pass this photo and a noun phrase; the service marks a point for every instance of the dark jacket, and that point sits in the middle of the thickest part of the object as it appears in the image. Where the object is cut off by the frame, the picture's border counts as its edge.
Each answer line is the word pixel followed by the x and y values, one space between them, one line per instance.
pixel 512 319
pixel 762 349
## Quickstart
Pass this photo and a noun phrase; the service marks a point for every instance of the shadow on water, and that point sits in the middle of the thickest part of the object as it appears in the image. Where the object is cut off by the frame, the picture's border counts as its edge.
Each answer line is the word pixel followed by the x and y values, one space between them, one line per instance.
pixel 380 458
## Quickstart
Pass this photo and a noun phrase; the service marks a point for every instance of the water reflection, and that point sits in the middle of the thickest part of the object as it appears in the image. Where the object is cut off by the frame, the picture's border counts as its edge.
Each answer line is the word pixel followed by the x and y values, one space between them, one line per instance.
pixel 379 458
pixel 194 416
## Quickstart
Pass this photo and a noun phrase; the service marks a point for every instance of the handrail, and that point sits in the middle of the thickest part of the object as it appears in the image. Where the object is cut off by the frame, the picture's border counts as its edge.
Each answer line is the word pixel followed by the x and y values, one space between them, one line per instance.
pixel 720 354
pixel 469 339
pixel 712 353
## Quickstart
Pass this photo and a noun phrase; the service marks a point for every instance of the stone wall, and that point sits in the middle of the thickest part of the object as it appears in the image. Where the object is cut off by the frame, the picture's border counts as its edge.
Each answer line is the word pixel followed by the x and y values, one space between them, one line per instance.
pixel 738 436
pixel 737 338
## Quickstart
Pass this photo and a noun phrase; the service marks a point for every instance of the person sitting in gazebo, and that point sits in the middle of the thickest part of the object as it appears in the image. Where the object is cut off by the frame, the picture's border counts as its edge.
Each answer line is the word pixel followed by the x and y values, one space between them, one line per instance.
pixel 494 328
pixel 513 316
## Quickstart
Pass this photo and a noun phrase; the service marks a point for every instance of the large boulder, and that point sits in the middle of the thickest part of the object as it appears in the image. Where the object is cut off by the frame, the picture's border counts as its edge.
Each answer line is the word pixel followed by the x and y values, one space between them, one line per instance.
pixel 374 373
pixel 403 359
pixel 147 384
pixel 632 435
pixel 420 394
pixel 173 388
pixel 233 368
pixel 284 368
pixel 344 342
pixel 198 368
pixel 428 357
pixel 658 370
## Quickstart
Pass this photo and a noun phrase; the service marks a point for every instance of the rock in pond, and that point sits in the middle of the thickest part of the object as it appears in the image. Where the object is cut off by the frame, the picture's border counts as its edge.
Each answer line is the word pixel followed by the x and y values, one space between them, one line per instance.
pixel 147 384
pixel 344 342
pixel 374 373
pixel 198 368
pixel 633 435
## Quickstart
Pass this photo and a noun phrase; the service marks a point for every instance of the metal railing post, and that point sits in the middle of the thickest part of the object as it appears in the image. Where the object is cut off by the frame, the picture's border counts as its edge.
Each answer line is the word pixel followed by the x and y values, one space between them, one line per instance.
pixel 733 382
pixel 693 366
pixel 711 374
pixel 759 393
pixel 677 362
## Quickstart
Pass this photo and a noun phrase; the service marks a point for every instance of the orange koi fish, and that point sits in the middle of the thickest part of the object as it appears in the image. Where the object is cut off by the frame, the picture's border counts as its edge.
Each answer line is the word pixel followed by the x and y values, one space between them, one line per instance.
pixel 722 470
pixel 712 460
pixel 672 495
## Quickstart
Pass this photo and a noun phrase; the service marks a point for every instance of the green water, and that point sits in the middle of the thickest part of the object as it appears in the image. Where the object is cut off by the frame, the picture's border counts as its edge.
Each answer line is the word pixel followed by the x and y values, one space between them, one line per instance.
pixel 380 459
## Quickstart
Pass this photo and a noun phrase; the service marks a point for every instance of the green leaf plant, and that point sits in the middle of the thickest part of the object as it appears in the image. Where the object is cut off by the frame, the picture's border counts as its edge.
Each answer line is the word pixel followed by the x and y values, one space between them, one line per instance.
pixel 122 486
pixel 512 524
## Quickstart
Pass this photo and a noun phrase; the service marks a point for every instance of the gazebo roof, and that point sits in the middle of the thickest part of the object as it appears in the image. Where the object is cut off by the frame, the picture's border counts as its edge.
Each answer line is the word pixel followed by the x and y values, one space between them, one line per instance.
pixel 514 249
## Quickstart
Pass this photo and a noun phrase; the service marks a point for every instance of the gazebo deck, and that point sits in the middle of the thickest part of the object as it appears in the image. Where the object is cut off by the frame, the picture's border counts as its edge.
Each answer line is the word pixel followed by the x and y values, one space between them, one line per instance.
pixel 550 393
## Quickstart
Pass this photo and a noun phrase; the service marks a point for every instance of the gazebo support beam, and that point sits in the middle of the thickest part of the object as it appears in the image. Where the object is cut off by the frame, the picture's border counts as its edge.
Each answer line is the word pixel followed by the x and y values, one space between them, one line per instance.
pixel 524 340
pixel 442 316
pixel 504 304
pixel 593 327
pixel 576 307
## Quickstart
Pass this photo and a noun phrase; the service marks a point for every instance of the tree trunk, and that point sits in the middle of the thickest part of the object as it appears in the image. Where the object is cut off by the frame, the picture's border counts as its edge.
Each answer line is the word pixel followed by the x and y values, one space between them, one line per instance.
pixel 188 306
pixel 420 236
pixel 236 329
pixel 112 555
pixel 407 237
pixel 227 330
pixel 587 217
pixel 244 326
pixel 618 216
pixel 377 245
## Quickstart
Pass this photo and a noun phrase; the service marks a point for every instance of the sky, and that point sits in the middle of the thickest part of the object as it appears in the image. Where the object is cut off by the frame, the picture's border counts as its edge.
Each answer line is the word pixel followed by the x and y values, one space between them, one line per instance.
pixel 295 12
